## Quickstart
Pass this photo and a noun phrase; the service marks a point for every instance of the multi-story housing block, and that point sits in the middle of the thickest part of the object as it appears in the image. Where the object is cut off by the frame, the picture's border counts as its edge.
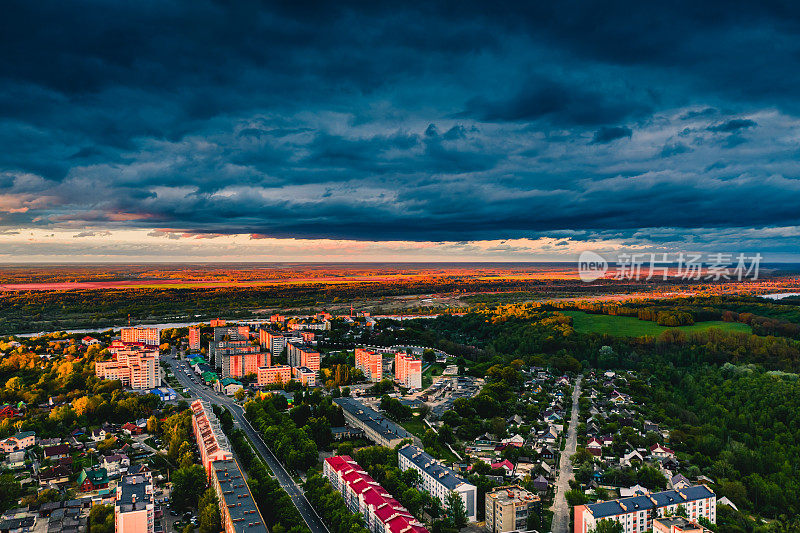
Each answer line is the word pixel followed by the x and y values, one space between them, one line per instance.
pixel 370 363
pixel 134 508
pixel 271 341
pixel 211 441
pixel 408 370
pixel 135 364
pixel 637 513
pixel 305 376
pixel 376 427
pixel 437 479
pixel 268 375
pixel 238 510
pixel 507 508
pixel 365 496
pixel 298 355
pixel 194 339
pixel 147 336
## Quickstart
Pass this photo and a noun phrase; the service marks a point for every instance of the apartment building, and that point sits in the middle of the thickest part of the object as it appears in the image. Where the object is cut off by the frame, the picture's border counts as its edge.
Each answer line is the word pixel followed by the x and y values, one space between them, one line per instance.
pixel 135 364
pixel 237 508
pixel 134 508
pixel 408 370
pixel 211 441
pixel 507 508
pixel 376 427
pixel 267 375
pixel 637 513
pixel 365 496
pixel 147 336
pixel 305 376
pixel 298 355
pixel 370 363
pixel 194 339
pixel 437 479
pixel 272 341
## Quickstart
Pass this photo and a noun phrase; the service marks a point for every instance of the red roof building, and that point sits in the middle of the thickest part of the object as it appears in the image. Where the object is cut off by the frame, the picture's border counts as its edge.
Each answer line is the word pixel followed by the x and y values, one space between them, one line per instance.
pixel 364 495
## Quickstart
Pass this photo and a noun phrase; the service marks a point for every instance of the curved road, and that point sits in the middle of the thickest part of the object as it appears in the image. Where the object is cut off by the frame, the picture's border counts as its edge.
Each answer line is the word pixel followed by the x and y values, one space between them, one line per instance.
pixel 310 516
pixel 560 508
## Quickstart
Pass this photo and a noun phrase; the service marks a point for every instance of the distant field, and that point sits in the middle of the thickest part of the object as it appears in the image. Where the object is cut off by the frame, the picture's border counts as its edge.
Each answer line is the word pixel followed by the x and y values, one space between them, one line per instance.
pixel 625 326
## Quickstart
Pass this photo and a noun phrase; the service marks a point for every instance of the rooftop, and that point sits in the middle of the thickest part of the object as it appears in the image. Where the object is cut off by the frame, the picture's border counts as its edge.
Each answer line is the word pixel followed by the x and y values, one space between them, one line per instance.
pixel 431 466
pixel 237 498
pixel 134 493
pixel 648 501
pixel 372 419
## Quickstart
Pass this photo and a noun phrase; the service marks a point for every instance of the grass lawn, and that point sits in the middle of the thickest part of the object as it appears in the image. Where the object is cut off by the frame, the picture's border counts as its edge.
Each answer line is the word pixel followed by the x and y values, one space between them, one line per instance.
pixel 415 426
pixel 626 326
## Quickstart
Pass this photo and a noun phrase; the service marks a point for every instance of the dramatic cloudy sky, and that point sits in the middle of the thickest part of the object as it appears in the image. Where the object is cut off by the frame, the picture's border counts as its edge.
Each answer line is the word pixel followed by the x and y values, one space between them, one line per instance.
pixel 461 130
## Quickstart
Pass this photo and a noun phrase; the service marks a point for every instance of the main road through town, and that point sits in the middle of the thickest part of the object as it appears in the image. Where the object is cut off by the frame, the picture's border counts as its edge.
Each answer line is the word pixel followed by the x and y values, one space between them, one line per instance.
pixel 198 390
pixel 565 473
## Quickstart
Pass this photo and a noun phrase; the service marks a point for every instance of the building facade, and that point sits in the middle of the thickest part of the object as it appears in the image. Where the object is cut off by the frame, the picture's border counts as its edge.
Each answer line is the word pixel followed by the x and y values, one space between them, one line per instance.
pixel 305 376
pixel 298 355
pixel 134 508
pixel 272 341
pixel 365 496
pixel 211 441
pixel 370 363
pixel 637 513
pixel 408 370
pixel 135 364
pixel 437 479
pixel 147 336
pixel 376 427
pixel 508 508
pixel 194 339
pixel 268 375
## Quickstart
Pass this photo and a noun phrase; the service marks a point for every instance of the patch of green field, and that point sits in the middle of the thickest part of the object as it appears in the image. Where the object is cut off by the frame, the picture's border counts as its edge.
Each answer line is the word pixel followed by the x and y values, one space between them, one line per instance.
pixel 415 426
pixel 626 326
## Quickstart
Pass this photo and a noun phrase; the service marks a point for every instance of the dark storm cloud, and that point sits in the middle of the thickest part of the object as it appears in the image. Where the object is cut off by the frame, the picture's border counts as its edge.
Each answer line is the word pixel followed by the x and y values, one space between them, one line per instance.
pixel 732 125
pixel 388 121
pixel 608 134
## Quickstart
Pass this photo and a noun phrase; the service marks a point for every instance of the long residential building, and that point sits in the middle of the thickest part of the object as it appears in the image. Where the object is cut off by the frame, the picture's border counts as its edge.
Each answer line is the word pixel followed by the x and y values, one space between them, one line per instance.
pixel 508 508
pixel 135 364
pixel 237 508
pixel 365 496
pixel 376 427
pixel 269 375
pixel 272 341
pixel 437 479
pixel 134 508
pixel 148 336
pixel 370 362
pixel 211 440
pixel 408 370
pixel 636 514
pixel 298 355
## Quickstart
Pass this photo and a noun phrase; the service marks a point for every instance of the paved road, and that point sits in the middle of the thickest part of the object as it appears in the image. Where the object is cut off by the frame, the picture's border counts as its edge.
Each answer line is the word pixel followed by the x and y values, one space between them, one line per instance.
pixel 560 508
pixel 295 493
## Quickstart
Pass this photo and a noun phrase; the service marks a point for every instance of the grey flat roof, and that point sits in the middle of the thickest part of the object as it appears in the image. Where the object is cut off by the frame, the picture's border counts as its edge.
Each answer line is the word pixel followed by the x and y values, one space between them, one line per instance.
pixel 426 462
pixel 135 485
pixel 237 498
pixel 640 503
pixel 372 419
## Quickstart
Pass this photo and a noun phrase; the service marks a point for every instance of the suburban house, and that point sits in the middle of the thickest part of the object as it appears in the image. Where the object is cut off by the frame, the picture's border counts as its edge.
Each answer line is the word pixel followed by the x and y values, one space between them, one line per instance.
pixel 20 441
